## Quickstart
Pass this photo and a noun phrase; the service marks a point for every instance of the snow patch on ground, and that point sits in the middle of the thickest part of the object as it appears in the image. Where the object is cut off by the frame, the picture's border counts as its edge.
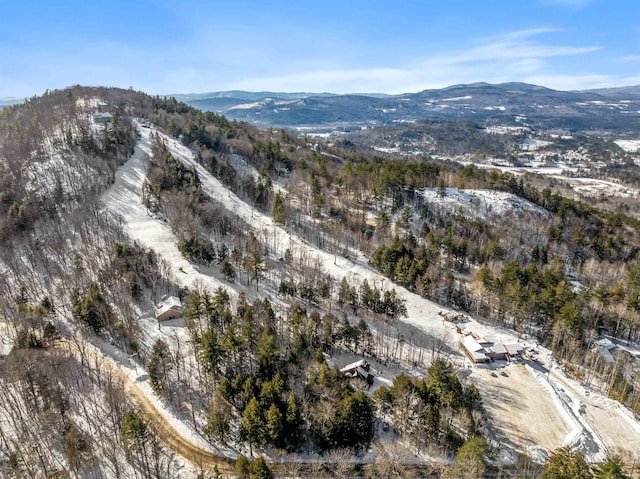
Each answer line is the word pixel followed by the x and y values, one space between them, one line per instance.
pixel 7 338
pixel 458 98
pixel 596 188
pixel 533 144
pixel 482 203
pixel 386 150
pixel 632 146
pixel 89 103
pixel 507 130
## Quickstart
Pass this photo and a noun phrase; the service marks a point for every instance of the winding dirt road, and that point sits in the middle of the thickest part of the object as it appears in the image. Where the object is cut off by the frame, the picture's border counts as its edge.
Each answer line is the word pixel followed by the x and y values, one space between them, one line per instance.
pixel 162 427
pixel 171 437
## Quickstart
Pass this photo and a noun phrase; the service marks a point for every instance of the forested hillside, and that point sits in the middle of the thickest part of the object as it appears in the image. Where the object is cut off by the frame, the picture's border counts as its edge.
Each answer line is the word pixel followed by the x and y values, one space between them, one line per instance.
pixel 292 260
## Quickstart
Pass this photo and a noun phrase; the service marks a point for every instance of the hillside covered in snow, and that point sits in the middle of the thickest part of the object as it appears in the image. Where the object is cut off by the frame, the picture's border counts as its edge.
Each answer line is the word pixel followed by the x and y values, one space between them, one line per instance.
pixel 181 293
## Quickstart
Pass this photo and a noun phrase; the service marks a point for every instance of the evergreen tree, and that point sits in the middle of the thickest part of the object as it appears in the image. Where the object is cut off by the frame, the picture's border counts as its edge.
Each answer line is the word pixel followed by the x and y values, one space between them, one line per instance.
pixel 252 424
pixel 293 420
pixel 470 461
pixel 268 354
pixel 134 430
pixel 566 464
pixel 92 309
pixel 219 419
pixel 259 469
pixel 227 270
pixel 211 352
pixel 241 467
pixel 274 425
pixel 255 265
pixel 158 364
pixel 353 422
pixel 277 211
pixel 611 468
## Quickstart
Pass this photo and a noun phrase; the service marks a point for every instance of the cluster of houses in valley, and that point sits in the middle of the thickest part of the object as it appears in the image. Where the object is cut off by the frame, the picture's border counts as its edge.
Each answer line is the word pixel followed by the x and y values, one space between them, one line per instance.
pixel 480 350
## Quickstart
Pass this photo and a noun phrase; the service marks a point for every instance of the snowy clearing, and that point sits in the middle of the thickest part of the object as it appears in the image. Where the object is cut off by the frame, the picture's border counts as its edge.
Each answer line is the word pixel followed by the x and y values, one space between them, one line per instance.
pixel 593 187
pixel 585 186
pixel 632 146
pixel 507 130
pixel 482 203
pixel 613 424
pixel 458 98
pixel 522 408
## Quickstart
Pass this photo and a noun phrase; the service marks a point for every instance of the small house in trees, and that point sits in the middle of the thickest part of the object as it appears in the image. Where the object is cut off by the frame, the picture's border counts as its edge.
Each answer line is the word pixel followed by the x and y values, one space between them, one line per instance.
pixel 359 369
pixel 170 308
pixel 100 118
pixel 528 145
pixel 474 351
pixel 451 317
pixel 604 347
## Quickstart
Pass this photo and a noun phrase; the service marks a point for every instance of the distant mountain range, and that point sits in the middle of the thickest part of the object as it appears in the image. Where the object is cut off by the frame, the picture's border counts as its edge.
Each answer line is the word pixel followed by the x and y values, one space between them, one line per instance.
pixel 612 109
pixel 9 101
pixel 247 95
pixel 619 92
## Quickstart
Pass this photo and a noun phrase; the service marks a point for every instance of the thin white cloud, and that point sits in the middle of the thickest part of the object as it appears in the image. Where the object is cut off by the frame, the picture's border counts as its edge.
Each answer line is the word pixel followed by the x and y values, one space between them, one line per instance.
pixel 522 34
pixel 519 45
pixel 574 4
pixel 629 58
pixel 512 56
pixel 573 82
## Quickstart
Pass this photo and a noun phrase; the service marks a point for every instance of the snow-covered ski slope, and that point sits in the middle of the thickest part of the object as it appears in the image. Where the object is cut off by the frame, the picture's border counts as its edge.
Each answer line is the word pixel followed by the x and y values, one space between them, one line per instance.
pixel 572 416
pixel 124 199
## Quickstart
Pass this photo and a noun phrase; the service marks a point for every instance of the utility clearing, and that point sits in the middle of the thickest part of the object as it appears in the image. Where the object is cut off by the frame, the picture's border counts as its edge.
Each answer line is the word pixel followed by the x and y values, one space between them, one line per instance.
pixel 532 408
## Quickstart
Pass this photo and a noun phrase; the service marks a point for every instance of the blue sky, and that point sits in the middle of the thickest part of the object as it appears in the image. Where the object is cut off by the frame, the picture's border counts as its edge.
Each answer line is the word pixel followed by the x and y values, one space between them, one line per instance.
pixel 340 46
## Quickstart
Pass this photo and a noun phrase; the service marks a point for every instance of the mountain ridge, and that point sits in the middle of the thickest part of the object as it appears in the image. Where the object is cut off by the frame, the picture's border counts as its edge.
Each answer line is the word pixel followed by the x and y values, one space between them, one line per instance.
pixel 510 103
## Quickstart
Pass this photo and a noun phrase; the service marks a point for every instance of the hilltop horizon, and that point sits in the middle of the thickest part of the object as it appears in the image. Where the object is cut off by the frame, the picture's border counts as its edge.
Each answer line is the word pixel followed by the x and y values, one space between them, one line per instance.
pixel 262 93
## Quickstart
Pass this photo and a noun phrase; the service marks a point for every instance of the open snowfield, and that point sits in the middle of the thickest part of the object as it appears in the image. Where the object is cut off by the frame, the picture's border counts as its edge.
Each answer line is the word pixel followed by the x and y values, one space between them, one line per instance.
pixel 520 170
pixel 524 406
pixel 612 423
pixel 481 203
pixel 592 187
pixel 507 130
pixel 632 146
